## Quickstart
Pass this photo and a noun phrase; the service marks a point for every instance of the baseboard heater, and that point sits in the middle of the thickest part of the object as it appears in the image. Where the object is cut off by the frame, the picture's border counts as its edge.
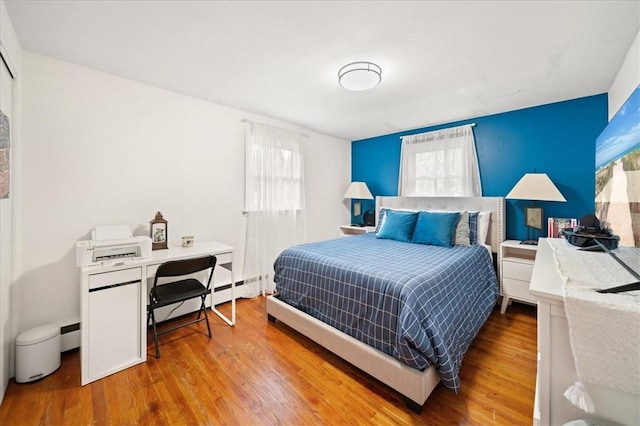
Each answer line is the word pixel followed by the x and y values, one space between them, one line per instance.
pixel 69 336
pixel 228 286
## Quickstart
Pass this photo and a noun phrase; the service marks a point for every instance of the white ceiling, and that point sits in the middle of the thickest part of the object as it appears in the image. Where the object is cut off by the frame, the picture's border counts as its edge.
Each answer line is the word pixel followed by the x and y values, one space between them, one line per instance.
pixel 442 61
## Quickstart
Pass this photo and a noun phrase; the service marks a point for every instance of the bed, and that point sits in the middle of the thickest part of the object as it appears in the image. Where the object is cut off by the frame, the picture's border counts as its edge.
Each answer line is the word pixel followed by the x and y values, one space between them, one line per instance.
pixel 422 338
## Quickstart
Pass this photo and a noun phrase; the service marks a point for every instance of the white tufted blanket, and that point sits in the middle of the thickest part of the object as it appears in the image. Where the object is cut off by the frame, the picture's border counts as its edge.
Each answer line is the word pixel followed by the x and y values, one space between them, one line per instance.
pixel 604 328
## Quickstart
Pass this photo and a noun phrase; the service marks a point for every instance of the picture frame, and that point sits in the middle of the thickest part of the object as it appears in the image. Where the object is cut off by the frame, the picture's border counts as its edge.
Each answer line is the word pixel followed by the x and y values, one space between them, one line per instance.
pixel 533 217
pixel 159 232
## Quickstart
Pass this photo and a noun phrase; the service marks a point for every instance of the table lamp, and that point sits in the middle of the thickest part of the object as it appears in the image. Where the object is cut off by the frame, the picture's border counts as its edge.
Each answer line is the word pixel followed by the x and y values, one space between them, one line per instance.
pixel 534 187
pixel 358 191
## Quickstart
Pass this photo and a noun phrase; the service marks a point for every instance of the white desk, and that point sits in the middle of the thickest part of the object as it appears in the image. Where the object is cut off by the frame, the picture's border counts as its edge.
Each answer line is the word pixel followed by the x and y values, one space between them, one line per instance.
pixel 114 300
pixel 556 367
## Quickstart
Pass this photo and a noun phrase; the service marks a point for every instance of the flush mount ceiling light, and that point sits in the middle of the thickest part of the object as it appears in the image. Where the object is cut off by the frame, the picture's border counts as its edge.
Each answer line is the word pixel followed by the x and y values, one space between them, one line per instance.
pixel 360 76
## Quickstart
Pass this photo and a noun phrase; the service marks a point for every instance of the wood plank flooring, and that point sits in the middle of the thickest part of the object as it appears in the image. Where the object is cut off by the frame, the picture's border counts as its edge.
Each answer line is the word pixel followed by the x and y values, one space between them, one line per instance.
pixel 264 373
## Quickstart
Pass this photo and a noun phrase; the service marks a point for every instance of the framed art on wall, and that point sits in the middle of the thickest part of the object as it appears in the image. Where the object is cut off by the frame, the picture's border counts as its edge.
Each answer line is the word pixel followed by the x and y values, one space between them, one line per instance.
pixel 5 181
pixel 533 217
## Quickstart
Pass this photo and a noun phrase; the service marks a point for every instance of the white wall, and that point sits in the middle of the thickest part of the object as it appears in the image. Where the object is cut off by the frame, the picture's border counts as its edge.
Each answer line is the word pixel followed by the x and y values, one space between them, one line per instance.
pixel 9 40
pixel 99 149
pixel 11 56
pixel 627 80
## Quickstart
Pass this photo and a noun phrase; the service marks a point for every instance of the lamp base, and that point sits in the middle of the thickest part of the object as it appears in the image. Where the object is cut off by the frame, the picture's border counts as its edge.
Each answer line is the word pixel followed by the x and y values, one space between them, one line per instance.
pixel 529 242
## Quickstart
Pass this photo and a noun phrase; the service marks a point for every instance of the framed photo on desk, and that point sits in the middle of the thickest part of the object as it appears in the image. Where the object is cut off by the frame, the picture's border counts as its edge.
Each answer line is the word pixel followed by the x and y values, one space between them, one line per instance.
pixel 159 232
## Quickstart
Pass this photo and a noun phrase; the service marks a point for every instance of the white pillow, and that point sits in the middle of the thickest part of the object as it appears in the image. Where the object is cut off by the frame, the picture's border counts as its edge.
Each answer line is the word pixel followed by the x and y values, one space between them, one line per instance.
pixel 461 234
pixel 483 227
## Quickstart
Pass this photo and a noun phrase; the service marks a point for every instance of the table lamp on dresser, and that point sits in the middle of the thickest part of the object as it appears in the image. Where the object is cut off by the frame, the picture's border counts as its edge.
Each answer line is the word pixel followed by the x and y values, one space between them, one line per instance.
pixel 534 187
pixel 358 191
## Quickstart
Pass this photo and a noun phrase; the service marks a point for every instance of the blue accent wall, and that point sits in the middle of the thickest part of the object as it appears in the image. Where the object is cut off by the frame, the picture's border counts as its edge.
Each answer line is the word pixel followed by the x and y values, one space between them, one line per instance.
pixel 557 139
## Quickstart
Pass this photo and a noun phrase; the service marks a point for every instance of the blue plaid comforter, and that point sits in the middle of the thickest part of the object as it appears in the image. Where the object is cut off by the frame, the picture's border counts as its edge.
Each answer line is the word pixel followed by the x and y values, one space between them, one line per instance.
pixel 418 303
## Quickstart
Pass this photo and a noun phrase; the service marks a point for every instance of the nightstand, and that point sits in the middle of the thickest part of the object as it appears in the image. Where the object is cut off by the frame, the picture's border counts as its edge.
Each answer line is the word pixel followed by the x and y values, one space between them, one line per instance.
pixel 351 230
pixel 516 266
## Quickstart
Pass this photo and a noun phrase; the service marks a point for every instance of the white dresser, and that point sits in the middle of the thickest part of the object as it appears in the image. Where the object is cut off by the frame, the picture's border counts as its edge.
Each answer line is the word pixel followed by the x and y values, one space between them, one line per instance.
pixel 556 368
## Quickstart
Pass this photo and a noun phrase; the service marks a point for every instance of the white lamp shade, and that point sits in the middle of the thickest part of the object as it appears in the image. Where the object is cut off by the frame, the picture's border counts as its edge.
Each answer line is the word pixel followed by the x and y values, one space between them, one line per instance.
pixel 358 191
pixel 535 187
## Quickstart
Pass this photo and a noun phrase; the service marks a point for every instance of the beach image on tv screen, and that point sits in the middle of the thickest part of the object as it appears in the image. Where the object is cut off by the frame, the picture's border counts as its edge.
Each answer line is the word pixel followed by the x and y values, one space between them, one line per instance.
pixel 618 173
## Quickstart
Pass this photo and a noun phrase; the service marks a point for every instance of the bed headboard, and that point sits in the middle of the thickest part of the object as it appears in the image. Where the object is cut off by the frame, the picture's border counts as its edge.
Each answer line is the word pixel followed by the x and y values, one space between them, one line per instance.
pixel 493 204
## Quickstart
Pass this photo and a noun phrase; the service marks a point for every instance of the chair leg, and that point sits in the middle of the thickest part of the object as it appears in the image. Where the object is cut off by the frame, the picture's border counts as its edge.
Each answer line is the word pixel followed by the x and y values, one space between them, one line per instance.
pixel 155 331
pixel 206 317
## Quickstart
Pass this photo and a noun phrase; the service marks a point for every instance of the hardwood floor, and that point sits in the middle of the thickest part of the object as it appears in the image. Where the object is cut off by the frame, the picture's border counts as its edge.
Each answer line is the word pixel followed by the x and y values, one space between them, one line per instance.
pixel 264 373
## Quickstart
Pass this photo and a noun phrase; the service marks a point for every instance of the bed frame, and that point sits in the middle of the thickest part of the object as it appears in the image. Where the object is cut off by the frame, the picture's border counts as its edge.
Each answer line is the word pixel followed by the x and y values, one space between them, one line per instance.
pixel 413 384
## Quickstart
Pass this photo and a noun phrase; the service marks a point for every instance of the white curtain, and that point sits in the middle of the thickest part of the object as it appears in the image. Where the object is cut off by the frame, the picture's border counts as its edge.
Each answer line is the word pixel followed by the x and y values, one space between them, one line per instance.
pixel 274 202
pixel 440 163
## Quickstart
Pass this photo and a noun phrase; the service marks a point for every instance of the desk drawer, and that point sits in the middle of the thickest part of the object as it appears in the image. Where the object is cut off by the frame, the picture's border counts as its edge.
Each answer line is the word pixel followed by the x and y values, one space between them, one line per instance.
pixel 116 277
pixel 222 259
pixel 517 270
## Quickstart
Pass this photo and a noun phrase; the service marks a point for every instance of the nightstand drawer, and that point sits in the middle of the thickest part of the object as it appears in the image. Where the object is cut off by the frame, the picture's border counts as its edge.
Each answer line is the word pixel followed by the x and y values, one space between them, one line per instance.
pixel 517 270
pixel 517 289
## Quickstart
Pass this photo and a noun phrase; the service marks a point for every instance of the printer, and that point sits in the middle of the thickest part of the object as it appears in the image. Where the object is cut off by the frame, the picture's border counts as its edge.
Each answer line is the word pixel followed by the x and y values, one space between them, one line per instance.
pixel 111 243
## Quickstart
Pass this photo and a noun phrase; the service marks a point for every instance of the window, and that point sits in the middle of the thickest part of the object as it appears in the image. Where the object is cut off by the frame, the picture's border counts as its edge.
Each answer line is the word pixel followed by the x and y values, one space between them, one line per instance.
pixel 274 202
pixel 440 163
pixel 274 172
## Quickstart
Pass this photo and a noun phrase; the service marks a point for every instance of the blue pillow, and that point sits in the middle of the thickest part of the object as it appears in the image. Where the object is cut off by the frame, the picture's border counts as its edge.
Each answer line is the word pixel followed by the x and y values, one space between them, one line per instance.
pixel 398 225
pixel 473 227
pixel 435 228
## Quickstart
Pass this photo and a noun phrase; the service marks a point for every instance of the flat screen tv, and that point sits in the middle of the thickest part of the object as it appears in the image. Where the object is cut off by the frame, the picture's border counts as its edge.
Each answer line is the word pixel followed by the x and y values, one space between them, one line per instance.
pixel 617 197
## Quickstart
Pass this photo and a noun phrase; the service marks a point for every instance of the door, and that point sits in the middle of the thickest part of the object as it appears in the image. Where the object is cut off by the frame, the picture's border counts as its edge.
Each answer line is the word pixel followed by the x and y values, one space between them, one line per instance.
pixel 6 90
pixel 114 320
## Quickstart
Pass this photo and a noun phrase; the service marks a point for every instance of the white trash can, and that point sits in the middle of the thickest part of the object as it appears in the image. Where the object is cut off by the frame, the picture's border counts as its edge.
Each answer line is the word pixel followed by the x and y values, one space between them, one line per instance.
pixel 37 353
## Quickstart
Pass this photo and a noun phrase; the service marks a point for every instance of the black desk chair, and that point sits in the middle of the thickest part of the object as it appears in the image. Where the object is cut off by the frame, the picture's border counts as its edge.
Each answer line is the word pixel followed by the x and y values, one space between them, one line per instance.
pixel 181 290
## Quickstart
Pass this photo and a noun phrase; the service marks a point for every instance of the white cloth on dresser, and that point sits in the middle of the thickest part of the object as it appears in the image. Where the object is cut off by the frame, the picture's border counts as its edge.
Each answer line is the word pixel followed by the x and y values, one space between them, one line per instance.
pixel 604 328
